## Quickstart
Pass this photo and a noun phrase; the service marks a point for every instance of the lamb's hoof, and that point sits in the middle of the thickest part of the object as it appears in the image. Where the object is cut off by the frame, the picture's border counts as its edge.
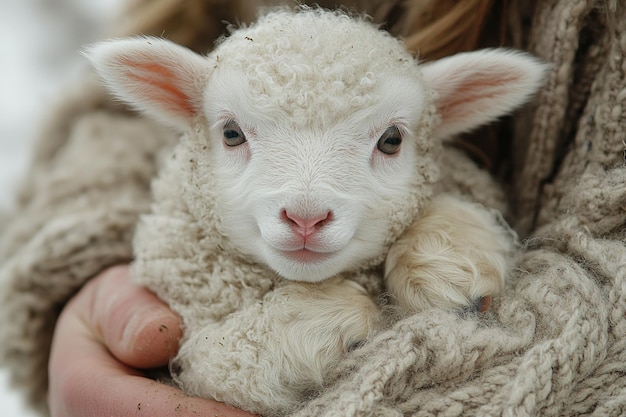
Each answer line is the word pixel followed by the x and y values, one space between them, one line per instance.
pixel 480 305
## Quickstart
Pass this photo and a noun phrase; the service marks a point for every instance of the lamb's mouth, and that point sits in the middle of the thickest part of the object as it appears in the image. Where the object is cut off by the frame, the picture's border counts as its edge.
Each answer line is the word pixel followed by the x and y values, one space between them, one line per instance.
pixel 306 256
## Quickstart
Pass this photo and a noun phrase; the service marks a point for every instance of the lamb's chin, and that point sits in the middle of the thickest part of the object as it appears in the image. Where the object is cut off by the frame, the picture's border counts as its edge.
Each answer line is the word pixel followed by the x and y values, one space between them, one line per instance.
pixel 305 265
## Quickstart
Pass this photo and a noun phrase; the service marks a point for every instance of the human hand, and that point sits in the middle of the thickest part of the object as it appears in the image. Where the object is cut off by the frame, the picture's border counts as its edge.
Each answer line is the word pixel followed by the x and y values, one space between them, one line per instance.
pixel 105 335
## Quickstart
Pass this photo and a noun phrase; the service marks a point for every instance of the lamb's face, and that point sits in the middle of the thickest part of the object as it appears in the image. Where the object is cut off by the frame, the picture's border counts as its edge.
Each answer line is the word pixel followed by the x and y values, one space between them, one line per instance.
pixel 313 198
pixel 315 151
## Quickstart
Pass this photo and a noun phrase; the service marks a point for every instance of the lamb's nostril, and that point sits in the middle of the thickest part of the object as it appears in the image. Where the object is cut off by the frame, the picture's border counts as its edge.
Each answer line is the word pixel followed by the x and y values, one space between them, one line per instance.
pixel 322 221
pixel 308 225
pixel 285 216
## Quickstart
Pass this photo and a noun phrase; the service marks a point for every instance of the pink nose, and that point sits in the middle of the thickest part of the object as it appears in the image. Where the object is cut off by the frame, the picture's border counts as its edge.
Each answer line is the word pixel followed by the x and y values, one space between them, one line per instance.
pixel 306 226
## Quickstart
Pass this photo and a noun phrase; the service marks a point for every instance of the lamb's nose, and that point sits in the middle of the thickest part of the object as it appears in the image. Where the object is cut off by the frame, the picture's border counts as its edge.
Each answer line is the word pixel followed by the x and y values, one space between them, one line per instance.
pixel 306 226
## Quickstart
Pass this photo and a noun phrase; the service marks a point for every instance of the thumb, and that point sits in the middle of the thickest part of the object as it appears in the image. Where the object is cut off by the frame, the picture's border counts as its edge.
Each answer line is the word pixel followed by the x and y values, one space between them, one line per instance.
pixel 136 326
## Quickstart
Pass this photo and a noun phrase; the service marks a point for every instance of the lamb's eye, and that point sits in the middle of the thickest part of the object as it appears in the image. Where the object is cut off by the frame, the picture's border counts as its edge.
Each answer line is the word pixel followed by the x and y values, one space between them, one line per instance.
pixel 233 136
pixel 390 140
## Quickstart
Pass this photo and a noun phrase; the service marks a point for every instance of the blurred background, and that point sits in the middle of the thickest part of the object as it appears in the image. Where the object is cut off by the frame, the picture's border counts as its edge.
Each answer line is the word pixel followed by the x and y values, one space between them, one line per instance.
pixel 40 41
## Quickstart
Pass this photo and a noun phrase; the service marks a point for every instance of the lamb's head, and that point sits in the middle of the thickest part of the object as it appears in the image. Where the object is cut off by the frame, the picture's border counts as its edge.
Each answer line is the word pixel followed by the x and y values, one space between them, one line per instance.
pixel 311 136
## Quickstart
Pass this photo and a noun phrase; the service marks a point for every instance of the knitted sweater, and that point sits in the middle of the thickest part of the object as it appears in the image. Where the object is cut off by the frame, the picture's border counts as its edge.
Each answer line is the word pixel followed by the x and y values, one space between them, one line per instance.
pixel 553 345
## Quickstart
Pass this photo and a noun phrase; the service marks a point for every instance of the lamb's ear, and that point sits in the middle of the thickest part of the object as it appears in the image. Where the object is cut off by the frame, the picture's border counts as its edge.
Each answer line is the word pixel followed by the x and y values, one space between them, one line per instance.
pixel 477 87
pixel 157 76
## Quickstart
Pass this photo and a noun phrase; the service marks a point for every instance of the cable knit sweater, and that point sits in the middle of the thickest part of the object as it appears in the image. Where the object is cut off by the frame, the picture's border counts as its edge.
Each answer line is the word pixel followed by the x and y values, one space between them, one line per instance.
pixel 553 345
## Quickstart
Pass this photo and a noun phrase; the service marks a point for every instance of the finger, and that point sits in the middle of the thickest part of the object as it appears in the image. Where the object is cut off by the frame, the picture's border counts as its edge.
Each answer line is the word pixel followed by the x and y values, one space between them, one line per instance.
pixel 138 328
pixel 85 380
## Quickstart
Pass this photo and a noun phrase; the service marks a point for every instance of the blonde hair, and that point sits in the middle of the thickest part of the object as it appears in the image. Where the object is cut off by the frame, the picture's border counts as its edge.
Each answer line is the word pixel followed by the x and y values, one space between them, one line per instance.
pixel 437 28
pixel 195 24
pixel 431 28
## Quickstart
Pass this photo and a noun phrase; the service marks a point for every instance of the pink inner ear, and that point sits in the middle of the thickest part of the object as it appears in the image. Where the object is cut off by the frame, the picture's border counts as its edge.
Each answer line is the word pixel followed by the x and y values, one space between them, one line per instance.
pixel 159 84
pixel 473 95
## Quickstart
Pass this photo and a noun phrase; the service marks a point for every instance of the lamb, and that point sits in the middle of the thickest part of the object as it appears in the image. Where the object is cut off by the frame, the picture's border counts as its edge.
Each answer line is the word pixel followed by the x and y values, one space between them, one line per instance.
pixel 307 182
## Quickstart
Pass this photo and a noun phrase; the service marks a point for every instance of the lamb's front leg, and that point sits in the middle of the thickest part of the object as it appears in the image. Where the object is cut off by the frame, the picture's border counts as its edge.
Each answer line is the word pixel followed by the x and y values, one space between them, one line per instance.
pixel 271 356
pixel 455 256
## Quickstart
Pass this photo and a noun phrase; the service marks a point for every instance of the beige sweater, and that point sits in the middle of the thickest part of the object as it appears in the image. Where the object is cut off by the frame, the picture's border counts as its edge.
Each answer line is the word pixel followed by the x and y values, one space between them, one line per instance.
pixel 555 343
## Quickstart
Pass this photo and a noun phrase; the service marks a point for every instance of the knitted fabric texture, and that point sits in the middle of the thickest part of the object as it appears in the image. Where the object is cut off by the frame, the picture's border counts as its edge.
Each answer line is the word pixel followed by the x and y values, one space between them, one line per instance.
pixel 553 345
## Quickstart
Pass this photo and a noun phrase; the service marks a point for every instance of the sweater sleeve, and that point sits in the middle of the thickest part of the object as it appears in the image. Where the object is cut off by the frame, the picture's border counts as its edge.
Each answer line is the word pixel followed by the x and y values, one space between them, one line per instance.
pixel 75 216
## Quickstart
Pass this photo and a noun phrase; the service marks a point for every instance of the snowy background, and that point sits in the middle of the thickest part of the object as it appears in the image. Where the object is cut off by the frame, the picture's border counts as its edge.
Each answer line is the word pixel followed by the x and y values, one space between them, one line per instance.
pixel 40 42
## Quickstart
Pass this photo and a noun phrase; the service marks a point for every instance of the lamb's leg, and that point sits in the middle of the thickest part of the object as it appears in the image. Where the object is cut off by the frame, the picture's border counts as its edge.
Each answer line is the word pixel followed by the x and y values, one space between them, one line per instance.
pixel 455 256
pixel 271 356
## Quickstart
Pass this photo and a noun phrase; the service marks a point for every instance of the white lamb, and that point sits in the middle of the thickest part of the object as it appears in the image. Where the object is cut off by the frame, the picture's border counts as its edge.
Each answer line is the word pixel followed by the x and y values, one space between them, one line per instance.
pixel 311 155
